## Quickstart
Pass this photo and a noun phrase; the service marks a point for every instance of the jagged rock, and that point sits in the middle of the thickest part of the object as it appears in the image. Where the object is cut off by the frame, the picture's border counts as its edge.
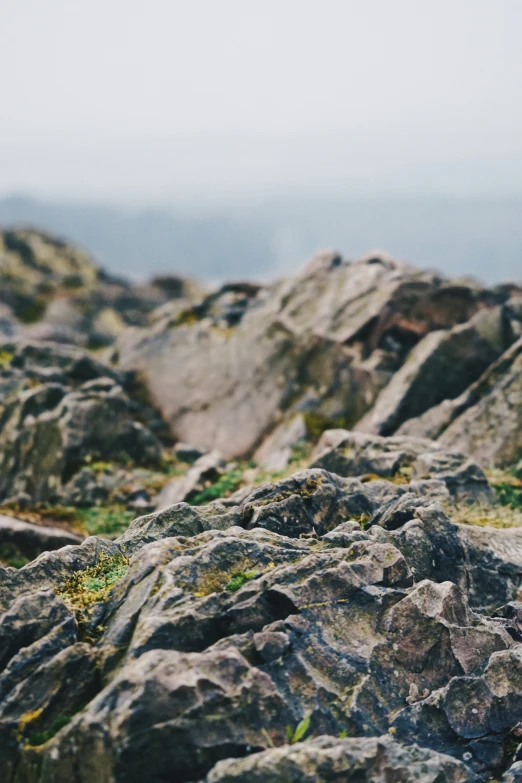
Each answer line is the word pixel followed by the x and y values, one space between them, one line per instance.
pixel 403 459
pixel 368 760
pixel 59 294
pixel 60 407
pixel 439 368
pixel 485 420
pixel 222 632
pixel 203 472
pixel 27 540
pixel 303 345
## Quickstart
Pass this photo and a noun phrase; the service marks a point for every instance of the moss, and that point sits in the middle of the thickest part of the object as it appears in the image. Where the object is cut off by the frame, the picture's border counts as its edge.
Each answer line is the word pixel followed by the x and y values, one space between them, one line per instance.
pixel 93 584
pixel 11 556
pixel 6 357
pixel 32 311
pixel 498 516
pixel 300 453
pixel 185 318
pixel 316 424
pixel 222 488
pixel 109 521
pixel 41 737
pixel 239 579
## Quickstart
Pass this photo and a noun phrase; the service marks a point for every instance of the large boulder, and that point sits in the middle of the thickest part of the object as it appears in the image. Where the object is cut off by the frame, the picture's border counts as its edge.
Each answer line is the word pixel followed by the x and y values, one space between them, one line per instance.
pixel 225 371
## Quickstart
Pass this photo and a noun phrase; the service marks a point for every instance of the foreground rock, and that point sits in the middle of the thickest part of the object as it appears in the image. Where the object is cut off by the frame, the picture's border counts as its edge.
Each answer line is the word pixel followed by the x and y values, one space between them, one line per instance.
pixel 329 759
pixel 185 649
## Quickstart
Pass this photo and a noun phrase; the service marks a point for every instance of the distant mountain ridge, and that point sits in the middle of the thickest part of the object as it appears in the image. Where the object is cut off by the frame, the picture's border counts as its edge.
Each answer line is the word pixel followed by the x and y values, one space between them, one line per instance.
pixel 460 237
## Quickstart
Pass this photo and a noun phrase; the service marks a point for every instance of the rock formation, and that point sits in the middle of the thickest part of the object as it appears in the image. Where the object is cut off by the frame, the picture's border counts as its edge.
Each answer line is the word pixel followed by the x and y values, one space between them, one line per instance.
pixel 259 537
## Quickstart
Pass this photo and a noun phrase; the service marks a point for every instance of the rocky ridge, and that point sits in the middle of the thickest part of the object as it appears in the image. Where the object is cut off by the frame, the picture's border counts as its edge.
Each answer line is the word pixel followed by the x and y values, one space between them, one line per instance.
pixel 325 582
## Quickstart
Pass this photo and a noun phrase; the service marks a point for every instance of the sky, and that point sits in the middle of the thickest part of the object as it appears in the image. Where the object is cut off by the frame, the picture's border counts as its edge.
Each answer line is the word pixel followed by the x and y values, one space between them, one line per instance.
pixel 187 101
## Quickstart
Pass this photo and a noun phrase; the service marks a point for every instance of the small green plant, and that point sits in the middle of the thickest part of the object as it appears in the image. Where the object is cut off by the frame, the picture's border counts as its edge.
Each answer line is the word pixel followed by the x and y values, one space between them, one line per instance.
pixel 239 579
pixel 41 737
pixel 297 734
pixel 222 488
pixel 108 521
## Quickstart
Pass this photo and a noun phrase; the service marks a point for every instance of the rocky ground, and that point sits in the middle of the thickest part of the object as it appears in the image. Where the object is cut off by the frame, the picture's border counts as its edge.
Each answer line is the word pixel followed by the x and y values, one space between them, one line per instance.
pixel 266 533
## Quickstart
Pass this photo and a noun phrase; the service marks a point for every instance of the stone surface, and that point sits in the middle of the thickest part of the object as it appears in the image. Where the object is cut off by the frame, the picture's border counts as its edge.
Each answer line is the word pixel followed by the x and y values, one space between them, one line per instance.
pixel 323 342
pixel 27 540
pixel 60 407
pixel 428 466
pixel 485 420
pixel 439 368
pixel 329 759
pixel 318 598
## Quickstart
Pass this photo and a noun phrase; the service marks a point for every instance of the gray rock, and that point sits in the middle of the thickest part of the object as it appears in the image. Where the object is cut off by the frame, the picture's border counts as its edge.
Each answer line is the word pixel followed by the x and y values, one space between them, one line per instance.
pixel 485 420
pixel 303 344
pixel 205 471
pixel 403 458
pixel 31 540
pixel 368 760
pixel 439 368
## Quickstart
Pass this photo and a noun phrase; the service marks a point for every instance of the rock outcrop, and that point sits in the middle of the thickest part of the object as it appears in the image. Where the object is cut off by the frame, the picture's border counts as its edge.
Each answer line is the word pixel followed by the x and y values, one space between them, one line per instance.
pixel 486 420
pixel 54 291
pixel 204 642
pixel 323 343
pixel 311 610
pixel 61 407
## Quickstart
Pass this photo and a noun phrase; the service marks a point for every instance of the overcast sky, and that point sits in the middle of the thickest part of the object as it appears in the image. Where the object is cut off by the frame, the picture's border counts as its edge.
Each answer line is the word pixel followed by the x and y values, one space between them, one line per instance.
pixel 150 100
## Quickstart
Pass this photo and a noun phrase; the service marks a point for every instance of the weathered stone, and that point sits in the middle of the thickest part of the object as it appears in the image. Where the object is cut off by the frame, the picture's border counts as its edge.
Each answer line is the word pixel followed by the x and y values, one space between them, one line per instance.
pixel 30 540
pixel 440 367
pixel 368 760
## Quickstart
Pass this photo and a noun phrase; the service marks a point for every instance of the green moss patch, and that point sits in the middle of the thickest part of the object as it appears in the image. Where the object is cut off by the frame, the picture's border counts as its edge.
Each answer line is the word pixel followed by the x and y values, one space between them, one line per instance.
pixel 41 737
pixel 239 579
pixel 6 357
pixel 225 486
pixel 93 584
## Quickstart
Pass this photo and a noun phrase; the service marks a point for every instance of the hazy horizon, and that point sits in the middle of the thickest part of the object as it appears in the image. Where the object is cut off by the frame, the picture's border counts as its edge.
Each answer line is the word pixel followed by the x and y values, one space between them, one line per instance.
pixel 171 104
pixel 235 138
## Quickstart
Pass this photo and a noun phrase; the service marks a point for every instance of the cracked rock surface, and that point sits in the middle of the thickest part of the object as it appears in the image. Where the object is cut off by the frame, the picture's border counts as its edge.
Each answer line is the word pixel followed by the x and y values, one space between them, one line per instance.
pixel 392 632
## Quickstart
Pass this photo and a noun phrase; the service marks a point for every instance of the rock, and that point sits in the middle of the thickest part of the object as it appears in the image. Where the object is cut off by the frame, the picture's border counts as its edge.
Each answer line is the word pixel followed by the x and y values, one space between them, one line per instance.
pixel 28 541
pixel 439 368
pixel 485 420
pixel 59 294
pixel 226 624
pixel 276 451
pixel 225 374
pixel 203 472
pixel 60 408
pixel 403 459
pixel 187 453
pixel 368 760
